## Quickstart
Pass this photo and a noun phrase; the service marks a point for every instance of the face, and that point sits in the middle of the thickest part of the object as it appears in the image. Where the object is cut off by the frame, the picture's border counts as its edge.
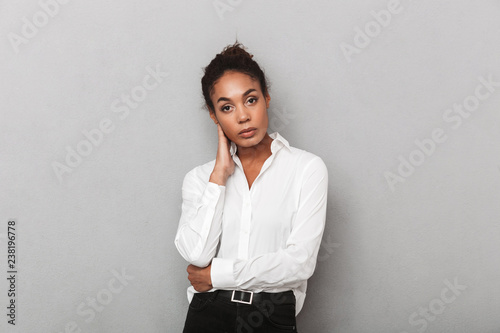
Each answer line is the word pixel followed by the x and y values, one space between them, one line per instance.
pixel 239 104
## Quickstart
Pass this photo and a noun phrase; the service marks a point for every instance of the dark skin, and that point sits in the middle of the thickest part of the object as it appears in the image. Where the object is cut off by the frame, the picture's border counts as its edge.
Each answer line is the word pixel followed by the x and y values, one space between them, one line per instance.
pixel 200 277
pixel 239 103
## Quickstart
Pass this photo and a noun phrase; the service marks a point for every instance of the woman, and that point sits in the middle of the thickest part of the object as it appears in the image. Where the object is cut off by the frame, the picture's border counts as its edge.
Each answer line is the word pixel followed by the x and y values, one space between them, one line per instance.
pixel 252 219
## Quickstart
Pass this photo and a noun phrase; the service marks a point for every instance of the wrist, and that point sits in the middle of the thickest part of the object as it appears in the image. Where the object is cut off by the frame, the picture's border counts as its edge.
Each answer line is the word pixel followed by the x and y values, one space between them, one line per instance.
pixel 218 177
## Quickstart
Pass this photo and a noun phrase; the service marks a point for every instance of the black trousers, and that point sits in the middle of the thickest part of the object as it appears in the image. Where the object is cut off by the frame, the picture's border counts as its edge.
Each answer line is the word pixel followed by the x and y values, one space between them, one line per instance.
pixel 214 312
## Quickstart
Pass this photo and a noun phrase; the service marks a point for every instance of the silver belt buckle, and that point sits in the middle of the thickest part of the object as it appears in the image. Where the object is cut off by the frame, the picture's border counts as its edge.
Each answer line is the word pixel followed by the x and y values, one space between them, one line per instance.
pixel 241 301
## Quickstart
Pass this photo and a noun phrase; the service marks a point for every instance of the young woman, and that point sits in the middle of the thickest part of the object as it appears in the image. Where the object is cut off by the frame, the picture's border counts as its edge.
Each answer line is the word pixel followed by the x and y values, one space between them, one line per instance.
pixel 252 219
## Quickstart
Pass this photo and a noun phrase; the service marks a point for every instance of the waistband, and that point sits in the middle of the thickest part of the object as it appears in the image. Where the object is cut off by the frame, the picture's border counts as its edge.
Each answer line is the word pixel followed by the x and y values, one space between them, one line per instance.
pixel 249 297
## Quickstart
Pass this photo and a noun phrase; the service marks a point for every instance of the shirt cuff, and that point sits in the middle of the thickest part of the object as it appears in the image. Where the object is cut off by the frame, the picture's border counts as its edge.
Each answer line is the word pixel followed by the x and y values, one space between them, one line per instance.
pixel 212 191
pixel 221 273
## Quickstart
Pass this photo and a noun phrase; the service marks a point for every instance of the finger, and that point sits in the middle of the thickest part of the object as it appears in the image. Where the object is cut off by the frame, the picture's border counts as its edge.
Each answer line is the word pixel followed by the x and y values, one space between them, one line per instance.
pixel 220 131
pixel 223 135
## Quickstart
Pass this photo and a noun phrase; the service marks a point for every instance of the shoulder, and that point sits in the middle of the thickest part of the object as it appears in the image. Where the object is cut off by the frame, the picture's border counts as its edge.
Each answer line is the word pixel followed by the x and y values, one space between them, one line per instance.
pixel 311 173
pixel 306 161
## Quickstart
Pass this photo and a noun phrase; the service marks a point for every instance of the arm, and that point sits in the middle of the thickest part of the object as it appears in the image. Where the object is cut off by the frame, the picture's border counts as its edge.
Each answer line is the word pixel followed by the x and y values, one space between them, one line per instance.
pixel 202 205
pixel 289 266
pixel 200 224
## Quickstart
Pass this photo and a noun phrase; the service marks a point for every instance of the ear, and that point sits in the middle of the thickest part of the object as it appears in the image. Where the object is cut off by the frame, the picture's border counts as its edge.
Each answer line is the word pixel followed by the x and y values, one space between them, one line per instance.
pixel 213 116
pixel 268 99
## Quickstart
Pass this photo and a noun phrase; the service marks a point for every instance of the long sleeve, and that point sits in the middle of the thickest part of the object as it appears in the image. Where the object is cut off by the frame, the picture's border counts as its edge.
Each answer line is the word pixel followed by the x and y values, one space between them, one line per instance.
pixel 292 265
pixel 199 227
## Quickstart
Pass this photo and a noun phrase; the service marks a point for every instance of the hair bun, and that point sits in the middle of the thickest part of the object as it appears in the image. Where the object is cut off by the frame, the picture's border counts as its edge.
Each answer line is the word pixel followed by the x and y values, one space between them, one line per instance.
pixel 236 50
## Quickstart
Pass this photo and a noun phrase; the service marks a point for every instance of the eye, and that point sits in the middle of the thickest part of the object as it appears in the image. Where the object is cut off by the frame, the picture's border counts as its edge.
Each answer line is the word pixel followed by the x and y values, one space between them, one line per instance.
pixel 252 100
pixel 226 108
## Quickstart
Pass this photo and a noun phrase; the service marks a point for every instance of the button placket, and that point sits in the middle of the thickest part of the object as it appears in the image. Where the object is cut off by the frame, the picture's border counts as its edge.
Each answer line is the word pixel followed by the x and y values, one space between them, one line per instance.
pixel 245 221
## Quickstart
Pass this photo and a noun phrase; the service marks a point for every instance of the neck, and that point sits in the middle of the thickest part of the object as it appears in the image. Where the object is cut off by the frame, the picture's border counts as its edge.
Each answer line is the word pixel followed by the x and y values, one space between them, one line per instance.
pixel 260 150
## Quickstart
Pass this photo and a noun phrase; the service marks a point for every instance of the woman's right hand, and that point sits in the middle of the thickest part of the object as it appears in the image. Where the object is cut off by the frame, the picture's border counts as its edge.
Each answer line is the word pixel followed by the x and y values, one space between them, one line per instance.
pixel 224 164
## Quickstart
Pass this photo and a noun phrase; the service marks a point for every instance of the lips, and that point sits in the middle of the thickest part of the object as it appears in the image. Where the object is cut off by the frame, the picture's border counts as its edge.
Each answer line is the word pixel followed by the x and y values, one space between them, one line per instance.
pixel 248 130
pixel 248 133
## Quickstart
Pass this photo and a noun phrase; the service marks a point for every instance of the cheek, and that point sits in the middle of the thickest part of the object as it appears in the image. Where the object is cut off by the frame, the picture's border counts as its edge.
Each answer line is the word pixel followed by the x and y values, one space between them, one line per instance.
pixel 265 118
pixel 227 128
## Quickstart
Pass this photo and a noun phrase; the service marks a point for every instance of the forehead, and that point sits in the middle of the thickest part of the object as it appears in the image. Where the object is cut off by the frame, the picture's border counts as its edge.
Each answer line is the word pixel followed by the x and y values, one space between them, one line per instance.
pixel 234 83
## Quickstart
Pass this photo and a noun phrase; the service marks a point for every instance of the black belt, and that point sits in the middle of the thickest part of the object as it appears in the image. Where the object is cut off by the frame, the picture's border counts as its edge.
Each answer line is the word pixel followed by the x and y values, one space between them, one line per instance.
pixel 249 297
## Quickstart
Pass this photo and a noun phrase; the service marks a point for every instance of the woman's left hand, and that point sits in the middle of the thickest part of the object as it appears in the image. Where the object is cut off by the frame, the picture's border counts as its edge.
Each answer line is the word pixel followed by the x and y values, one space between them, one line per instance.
pixel 200 277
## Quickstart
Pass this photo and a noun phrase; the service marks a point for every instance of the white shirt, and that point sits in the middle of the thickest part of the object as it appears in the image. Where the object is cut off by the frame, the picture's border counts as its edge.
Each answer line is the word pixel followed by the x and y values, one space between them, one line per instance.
pixel 265 238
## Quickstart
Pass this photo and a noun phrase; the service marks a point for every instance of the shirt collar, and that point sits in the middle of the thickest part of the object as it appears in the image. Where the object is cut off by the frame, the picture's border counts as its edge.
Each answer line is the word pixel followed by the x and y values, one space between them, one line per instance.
pixel 276 145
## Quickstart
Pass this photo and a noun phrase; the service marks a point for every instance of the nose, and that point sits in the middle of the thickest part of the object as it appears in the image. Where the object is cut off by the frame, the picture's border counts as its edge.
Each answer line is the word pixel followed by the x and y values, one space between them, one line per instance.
pixel 243 114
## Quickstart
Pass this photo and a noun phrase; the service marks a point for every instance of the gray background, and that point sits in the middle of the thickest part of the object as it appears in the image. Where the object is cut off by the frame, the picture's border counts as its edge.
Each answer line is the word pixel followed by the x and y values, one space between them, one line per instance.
pixel 387 254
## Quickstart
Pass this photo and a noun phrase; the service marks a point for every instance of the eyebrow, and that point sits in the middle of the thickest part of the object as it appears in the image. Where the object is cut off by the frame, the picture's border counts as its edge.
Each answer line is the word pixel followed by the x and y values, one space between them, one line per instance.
pixel 244 94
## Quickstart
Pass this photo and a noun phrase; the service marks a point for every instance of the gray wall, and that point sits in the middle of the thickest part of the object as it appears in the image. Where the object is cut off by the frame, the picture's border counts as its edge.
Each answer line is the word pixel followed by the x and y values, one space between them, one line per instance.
pixel 399 108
